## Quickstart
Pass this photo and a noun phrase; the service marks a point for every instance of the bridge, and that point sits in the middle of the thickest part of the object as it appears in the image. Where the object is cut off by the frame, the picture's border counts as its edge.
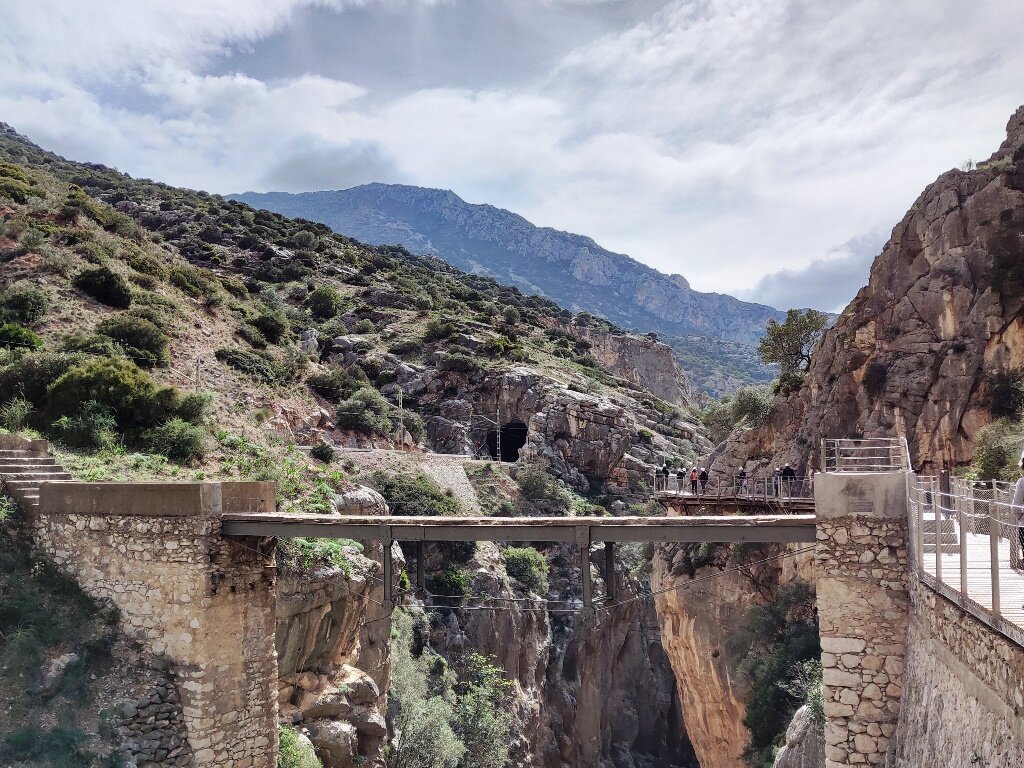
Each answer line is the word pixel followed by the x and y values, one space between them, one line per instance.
pixel 582 531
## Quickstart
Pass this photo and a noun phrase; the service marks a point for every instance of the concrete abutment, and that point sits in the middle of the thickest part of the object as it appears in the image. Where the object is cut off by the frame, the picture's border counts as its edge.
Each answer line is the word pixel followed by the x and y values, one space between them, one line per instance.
pixel 204 603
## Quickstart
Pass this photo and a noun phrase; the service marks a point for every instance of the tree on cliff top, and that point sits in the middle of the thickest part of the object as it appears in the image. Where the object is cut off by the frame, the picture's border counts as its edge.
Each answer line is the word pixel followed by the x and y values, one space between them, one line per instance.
pixel 789 344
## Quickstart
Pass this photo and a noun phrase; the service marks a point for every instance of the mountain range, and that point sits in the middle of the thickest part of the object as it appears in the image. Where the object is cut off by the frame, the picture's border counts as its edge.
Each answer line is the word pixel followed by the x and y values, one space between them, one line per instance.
pixel 570 269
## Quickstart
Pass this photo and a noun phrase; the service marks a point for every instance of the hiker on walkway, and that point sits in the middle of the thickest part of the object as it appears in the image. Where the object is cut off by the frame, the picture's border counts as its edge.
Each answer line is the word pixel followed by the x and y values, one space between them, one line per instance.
pixel 741 481
pixel 1018 506
pixel 703 480
pixel 788 477
pixel 694 478
pixel 680 479
pixel 777 481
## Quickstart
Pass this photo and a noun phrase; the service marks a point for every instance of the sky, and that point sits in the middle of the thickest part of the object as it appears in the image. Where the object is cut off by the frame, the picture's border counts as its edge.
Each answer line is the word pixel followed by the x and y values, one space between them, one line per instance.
pixel 763 148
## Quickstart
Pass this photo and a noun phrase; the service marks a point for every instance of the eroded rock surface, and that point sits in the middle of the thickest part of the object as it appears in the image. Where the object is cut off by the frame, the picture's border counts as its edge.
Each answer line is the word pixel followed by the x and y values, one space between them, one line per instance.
pixel 911 354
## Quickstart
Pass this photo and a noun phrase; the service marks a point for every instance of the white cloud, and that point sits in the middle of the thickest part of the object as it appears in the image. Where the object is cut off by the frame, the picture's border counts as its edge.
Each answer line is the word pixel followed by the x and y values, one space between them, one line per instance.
pixel 722 139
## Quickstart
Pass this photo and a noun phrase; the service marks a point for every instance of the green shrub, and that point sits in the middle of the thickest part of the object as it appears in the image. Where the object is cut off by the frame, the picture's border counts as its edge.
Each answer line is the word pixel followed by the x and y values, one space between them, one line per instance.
pixel 197 283
pixel 93 427
pixel 141 340
pixel 997 450
pixel 537 485
pixel 294 753
pixel 14 414
pixel 1006 392
pixel 31 374
pixel 455 551
pixel 459 362
pixel 195 406
pixel 146 264
pixel 178 440
pixel 14 336
pixel 23 303
pixel 60 747
pixel 136 400
pixel 364 326
pixel 366 411
pixel 528 567
pixel 414 494
pixel 301 554
pixel 253 335
pixel 258 365
pixel 324 302
pixel 338 383
pixel 438 330
pixel 450 582
pixel 15 190
pixel 322 452
pixel 104 285
pixel 271 323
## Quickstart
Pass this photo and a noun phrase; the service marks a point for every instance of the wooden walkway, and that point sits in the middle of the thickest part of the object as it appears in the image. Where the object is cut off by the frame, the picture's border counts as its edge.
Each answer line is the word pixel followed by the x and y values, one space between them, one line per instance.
pixel 744 504
pixel 979 575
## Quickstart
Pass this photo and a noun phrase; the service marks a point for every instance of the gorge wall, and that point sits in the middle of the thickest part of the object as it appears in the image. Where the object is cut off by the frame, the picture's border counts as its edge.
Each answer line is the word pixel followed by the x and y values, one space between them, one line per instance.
pixel 913 353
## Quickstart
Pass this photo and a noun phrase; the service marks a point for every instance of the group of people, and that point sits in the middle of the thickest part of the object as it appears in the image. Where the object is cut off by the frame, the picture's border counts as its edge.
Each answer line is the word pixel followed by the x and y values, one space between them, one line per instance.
pixel 784 480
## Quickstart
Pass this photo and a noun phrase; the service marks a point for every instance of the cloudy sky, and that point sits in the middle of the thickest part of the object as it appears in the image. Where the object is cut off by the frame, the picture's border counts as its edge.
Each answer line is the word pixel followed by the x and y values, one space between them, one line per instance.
pixel 763 148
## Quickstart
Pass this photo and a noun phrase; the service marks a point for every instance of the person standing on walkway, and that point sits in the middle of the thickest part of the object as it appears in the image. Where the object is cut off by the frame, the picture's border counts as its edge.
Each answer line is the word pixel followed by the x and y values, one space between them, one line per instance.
pixel 680 479
pixel 703 480
pixel 694 478
pixel 788 480
pixel 741 481
pixel 1018 506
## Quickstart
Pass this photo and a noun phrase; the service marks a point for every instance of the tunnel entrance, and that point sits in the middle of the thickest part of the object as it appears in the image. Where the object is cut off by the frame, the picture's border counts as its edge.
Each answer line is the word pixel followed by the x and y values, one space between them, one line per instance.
pixel 513 437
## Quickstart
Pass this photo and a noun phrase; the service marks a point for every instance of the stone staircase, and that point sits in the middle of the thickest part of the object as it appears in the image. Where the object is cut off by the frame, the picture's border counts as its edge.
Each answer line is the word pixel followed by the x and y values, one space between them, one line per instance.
pixel 24 466
pixel 940 532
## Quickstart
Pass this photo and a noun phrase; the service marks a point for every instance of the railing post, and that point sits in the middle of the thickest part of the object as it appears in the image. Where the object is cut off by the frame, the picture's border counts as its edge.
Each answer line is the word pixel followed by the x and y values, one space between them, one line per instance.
pixel 920 528
pixel 938 514
pixel 993 546
pixel 960 519
pixel 609 569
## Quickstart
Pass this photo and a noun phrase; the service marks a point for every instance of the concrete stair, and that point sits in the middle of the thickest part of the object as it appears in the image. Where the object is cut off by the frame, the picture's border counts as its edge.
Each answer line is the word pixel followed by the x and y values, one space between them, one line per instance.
pixel 24 470
pixel 939 533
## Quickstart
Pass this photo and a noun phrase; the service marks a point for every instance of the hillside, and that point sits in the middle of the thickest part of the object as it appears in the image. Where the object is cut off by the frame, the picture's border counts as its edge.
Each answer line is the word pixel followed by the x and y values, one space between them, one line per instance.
pixel 932 348
pixel 571 270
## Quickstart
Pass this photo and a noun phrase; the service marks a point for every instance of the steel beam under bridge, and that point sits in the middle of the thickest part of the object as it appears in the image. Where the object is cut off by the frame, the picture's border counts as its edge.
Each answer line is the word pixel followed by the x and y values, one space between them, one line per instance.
pixel 751 528
pixel 581 531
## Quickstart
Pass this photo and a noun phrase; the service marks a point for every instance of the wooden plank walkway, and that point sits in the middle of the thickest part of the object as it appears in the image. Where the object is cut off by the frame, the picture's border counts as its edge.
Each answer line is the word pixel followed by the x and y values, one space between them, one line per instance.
pixel 749 528
pixel 741 503
pixel 979 575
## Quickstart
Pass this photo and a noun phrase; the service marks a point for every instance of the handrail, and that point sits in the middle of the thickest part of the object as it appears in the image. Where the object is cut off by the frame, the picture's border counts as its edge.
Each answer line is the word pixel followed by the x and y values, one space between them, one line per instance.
pixel 873 454
pixel 966 543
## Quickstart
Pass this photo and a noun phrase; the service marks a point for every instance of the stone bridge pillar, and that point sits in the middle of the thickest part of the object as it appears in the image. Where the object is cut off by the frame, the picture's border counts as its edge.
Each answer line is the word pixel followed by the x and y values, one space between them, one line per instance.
pixel 203 603
pixel 863 609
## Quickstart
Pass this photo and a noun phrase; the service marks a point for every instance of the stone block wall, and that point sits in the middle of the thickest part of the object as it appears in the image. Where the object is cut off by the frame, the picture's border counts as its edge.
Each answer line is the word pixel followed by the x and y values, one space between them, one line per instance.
pixel 964 686
pixel 863 610
pixel 205 603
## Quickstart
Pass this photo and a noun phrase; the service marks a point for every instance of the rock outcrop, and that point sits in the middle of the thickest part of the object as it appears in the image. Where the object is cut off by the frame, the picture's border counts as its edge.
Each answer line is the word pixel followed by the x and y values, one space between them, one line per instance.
pixel 805 742
pixel 914 353
pixel 696 615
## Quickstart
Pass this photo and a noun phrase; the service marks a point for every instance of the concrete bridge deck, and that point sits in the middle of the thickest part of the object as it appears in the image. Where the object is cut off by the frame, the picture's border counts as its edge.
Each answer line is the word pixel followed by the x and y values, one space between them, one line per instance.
pixel 732 528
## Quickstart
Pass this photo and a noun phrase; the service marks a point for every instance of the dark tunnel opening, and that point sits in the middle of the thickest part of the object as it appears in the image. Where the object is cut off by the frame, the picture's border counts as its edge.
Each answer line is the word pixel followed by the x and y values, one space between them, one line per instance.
pixel 513 437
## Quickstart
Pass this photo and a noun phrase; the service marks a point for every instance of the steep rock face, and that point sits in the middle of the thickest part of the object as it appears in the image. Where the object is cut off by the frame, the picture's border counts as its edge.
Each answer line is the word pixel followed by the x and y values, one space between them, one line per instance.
pixel 587 697
pixel 570 269
pixel 639 360
pixel 910 356
pixel 697 614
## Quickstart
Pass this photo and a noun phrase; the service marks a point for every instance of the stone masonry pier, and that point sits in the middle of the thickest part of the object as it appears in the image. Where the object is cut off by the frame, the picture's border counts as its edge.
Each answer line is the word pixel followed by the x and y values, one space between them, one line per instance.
pixel 202 602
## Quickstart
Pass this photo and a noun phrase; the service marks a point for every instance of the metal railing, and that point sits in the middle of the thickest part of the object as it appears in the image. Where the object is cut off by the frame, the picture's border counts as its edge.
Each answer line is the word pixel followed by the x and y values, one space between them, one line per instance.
pixel 966 541
pixel 732 487
pixel 879 454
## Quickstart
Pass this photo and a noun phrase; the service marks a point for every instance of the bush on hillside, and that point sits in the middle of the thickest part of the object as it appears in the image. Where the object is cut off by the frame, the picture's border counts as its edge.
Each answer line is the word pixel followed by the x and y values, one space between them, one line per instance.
pixel 31 374
pixel 104 285
pixel 14 336
pixel 146 264
pixel 271 323
pixel 325 302
pixel 528 567
pixel 258 365
pixel 366 411
pixel 195 406
pixel 450 582
pixel 997 450
pixel 414 494
pixel 198 283
pixel 23 303
pixel 322 452
pixel 141 340
pixel 135 399
pixel 537 485
pixel 93 427
pixel 14 414
pixel 178 440
pixel 338 383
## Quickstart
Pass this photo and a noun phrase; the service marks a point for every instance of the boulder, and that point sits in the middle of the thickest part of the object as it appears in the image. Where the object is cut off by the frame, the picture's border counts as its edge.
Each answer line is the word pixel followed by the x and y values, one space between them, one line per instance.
pixel 46 680
pixel 335 742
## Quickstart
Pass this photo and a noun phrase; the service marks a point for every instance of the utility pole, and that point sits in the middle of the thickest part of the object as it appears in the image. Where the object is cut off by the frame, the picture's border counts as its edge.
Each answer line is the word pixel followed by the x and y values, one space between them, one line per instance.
pixel 401 420
pixel 497 433
pixel 199 368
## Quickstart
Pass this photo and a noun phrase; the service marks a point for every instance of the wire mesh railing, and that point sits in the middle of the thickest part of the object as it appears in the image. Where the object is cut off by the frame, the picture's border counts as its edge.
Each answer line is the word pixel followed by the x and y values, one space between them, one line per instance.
pixel 880 454
pixel 734 486
pixel 967 541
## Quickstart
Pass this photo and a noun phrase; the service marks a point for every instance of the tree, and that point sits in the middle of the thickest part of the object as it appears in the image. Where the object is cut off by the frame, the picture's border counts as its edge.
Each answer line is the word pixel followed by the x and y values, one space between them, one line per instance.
pixel 789 344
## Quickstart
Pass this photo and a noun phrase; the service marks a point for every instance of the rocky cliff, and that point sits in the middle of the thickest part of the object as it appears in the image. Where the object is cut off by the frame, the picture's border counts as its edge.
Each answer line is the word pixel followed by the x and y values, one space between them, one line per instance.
pixel 700 602
pixel 916 352
pixel 570 269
